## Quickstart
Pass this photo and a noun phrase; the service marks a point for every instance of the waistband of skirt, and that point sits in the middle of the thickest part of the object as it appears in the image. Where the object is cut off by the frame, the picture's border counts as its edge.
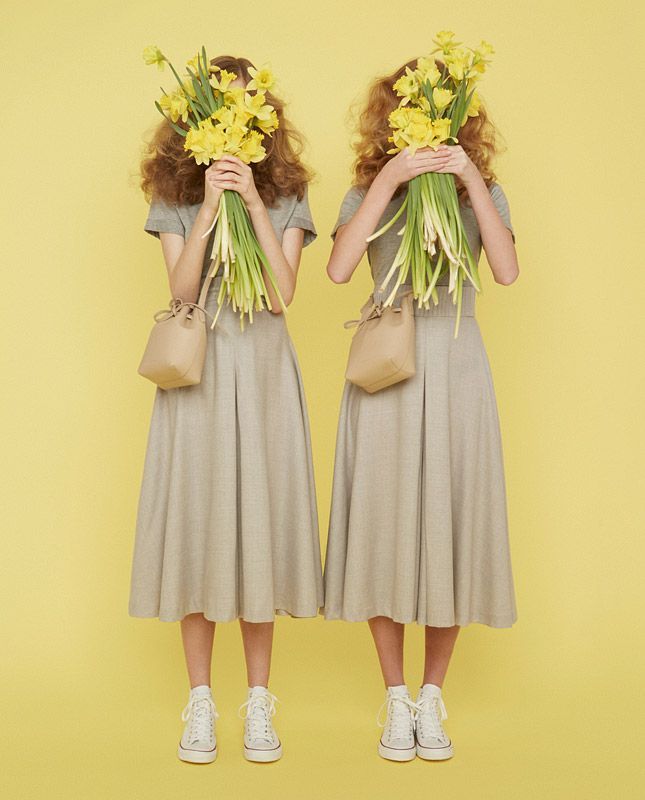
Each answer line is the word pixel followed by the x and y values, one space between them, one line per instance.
pixel 445 307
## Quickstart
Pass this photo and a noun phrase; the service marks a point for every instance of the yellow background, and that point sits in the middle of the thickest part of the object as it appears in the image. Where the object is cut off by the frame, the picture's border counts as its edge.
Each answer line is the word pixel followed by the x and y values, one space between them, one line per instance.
pixel 552 708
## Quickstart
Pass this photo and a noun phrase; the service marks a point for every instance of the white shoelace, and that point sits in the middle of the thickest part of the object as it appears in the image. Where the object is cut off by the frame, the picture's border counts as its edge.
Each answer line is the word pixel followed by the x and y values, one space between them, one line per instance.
pixel 401 710
pixel 201 711
pixel 259 710
pixel 430 713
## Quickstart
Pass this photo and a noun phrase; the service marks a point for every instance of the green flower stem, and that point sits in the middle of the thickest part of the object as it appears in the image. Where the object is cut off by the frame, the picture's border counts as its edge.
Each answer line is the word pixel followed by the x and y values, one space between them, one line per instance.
pixel 238 253
pixel 390 223
pixel 433 243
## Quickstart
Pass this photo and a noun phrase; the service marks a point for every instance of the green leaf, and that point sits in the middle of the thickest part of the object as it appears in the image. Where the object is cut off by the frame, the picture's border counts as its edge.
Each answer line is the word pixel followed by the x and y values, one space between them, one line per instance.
pixel 179 130
pixel 193 108
pixel 207 88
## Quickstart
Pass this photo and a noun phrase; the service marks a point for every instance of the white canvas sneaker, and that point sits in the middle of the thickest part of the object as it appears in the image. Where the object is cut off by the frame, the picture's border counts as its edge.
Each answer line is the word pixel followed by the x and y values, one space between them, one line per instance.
pixel 198 743
pixel 260 740
pixel 397 741
pixel 433 743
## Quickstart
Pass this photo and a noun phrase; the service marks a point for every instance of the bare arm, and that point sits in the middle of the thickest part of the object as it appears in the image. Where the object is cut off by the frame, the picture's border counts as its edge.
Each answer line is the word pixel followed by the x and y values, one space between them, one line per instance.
pixel 185 259
pixel 497 240
pixel 349 244
pixel 284 257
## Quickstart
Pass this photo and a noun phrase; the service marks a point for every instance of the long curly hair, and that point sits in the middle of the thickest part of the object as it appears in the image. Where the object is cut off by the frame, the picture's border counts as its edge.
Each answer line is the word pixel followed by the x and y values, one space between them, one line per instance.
pixel 170 173
pixel 477 136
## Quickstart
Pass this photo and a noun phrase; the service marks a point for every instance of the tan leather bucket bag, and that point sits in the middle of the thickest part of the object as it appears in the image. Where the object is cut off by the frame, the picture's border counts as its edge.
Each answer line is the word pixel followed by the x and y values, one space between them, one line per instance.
pixel 176 349
pixel 382 351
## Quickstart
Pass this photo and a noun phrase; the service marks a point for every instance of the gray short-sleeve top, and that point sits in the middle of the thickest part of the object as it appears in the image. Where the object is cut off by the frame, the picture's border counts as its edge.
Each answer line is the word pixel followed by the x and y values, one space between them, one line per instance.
pixel 381 251
pixel 288 212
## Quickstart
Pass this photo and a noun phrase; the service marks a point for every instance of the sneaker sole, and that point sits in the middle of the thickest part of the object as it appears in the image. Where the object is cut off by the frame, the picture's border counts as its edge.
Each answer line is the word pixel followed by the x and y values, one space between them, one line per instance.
pixel 393 754
pixel 263 756
pixel 197 756
pixel 435 753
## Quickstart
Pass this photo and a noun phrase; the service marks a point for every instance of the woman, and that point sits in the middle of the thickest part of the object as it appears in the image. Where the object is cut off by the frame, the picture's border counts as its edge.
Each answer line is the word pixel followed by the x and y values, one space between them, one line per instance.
pixel 418 525
pixel 227 524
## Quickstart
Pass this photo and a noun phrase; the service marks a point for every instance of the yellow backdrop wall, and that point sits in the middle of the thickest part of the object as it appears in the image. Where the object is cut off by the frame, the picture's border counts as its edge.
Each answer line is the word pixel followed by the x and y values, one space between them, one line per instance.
pixel 549 709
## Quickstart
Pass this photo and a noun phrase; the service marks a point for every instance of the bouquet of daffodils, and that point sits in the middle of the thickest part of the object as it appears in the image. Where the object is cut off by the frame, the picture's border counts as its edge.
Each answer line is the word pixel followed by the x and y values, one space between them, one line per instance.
pixel 434 105
pixel 224 119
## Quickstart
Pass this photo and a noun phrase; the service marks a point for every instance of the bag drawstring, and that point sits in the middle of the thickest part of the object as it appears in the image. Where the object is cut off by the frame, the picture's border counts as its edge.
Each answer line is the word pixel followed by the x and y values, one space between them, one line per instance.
pixel 375 311
pixel 174 306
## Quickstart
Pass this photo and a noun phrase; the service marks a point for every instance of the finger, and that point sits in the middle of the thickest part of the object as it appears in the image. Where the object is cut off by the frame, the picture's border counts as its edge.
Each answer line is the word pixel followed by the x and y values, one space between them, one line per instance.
pixel 230 167
pixel 434 159
pixel 227 184
pixel 433 148
pixel 231 159
pixel 430 152
pixel 432 168
pixel 429 162
pixel 226 175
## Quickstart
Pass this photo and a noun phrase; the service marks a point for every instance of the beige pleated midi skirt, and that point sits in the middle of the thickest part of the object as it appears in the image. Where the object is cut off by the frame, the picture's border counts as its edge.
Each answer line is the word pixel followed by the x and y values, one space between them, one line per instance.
pixel 227 522
pixel 418 527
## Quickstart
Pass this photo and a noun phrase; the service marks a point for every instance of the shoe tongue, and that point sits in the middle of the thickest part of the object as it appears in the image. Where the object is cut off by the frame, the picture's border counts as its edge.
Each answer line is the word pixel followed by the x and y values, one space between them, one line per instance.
pixel 430 688
pixel 398 691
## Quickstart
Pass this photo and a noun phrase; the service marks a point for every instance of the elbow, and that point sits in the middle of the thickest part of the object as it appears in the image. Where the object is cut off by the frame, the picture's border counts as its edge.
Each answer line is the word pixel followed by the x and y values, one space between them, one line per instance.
pixel 276 307
pixel 506 278
pixel 336 275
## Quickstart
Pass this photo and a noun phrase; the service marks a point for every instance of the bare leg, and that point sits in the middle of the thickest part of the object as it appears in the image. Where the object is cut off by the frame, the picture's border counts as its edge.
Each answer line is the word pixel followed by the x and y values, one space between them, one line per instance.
pixel 388 638
pixel 258 639
pixel 440 643
pixel 197 634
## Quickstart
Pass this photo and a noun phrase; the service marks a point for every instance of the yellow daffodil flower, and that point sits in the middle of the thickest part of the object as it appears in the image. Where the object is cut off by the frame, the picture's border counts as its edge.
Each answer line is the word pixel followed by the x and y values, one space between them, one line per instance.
pixel 196 143
pixel 242 116
pixel 235 96
pixel 223 82
pixel 175 104
pixel 188 87
pixel 441 128
pixel 445 41
pixel 407 86
pixel 458 61
pixel 253 102
pixel 399 118
pixel 234 137
pixel 193 62
pixel 427 71
pixel 268 124
pixel 485 49
pixel 261 78
pixel 153 55
pixel 225 115
pixel 398 141
pixel 441 97
pixel 251 148
pixel 473 106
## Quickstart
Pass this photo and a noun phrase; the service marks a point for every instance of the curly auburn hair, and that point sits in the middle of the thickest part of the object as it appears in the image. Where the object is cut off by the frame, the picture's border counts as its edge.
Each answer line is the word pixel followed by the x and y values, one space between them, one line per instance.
pixel 477 136
pixel 170 173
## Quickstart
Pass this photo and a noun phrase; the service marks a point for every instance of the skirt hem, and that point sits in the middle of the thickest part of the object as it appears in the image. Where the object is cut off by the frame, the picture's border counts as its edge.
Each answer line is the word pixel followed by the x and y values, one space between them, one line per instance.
pixel 213 617
pixel 481 619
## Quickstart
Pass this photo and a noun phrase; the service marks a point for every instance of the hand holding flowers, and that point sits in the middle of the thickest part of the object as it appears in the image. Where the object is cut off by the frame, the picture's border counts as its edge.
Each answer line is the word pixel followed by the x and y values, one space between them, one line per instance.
pixel 436 100
pixel 233 174
pixel 227 123
pixel 408 164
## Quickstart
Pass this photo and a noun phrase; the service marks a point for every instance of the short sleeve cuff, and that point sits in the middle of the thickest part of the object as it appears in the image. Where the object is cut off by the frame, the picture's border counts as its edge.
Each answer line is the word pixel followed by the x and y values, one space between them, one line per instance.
pixel 351 202
pixel 155 227
pixel 307 225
